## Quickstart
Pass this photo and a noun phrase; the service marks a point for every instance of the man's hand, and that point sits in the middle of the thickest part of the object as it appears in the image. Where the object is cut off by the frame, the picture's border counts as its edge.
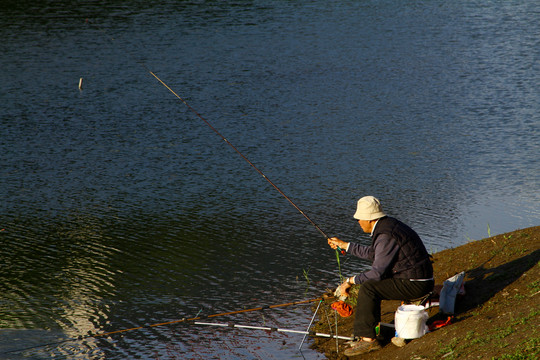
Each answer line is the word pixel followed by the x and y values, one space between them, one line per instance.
pixel 335 242
pixel 342 291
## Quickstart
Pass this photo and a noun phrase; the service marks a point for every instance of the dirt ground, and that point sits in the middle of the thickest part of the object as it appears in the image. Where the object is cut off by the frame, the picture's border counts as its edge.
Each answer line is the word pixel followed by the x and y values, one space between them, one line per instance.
pixel 497 318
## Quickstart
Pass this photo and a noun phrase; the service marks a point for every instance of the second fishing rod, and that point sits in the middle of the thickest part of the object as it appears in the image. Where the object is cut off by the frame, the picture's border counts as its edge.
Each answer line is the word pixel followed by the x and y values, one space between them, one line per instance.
pixel 338 250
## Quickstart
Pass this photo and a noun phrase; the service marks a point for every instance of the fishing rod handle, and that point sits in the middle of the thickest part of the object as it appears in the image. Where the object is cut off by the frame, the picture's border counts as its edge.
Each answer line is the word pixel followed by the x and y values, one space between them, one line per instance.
pixel 338 249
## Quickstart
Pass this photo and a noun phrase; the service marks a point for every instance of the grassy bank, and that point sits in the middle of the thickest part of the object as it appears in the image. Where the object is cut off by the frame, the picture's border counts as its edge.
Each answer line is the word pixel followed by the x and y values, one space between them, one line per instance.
pixel 498 318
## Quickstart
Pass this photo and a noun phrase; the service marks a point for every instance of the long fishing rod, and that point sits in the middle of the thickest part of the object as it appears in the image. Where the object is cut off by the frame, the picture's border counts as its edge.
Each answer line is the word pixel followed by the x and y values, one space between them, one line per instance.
pixel 312 333
pixel 231 145
pixel 183 320
pixel 211 316
pixel 241 155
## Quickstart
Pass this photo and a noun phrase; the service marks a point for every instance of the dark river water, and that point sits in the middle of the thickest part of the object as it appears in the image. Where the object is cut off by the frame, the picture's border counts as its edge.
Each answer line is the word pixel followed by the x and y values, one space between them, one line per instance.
pixel 120 207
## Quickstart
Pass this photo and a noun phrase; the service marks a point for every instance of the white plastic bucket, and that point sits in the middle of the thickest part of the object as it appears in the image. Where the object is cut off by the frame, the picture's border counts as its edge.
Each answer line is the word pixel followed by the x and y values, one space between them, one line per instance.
pixel 410 321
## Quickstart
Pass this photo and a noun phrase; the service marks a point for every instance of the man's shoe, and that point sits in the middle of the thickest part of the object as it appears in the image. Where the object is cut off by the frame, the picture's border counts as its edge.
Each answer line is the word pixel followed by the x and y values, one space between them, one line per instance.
pixel 362 347
pixel 399 342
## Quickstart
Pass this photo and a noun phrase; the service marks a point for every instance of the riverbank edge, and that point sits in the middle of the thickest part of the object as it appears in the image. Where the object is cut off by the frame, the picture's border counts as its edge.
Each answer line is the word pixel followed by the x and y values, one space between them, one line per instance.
pixel 497 318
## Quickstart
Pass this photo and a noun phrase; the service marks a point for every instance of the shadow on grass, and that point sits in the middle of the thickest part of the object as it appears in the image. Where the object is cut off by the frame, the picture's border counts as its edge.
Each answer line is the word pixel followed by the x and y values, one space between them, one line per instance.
pixel 483 283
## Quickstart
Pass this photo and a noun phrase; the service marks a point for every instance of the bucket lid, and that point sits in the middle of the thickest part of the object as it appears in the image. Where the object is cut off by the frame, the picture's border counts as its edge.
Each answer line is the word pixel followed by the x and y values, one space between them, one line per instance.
pixel 411 308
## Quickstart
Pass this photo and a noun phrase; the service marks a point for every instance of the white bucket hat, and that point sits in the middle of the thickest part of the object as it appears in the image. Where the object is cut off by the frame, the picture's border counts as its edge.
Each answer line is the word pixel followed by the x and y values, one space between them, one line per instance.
pixel 368 208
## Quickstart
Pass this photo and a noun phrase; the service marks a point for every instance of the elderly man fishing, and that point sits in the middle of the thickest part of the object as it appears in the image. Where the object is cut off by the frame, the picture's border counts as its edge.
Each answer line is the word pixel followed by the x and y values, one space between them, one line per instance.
pixel 401 270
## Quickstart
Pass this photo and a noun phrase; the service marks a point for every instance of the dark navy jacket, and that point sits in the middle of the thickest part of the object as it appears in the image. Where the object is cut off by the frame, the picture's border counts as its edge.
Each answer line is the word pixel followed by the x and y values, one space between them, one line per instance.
pixel 396 251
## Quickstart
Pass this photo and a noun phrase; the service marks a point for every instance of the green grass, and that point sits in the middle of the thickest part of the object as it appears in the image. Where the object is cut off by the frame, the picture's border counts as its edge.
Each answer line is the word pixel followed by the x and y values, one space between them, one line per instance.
pixel 470 335
pixel 528 350
pixel 306 276
pixel 448 349
pixel 534 286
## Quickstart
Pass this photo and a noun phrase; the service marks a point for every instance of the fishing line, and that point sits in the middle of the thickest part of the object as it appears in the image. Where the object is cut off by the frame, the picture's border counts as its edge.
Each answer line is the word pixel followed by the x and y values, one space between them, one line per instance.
pixel 184 320
pixel 339 250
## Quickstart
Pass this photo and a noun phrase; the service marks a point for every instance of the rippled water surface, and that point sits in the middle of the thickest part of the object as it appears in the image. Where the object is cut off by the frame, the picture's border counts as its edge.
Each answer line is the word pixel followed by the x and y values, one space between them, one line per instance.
pixel 121 208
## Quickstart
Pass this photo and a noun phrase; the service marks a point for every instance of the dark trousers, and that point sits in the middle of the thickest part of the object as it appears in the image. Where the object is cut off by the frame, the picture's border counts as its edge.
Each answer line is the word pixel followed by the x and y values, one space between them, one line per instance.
pixel 368 307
